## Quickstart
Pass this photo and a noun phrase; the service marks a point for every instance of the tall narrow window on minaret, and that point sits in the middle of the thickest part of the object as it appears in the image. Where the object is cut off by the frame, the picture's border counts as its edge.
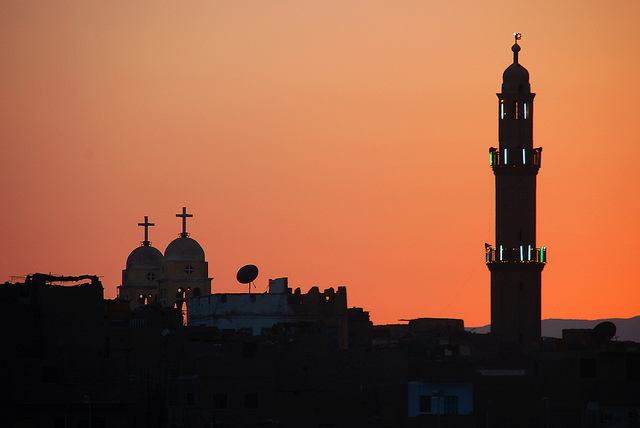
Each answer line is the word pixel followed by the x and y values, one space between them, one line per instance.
pixel 525 111
pixel 515 109
pixel 501 109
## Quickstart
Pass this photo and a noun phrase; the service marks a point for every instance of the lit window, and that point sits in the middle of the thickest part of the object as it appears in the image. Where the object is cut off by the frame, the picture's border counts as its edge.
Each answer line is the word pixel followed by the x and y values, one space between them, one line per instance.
pixel 524 156
pixel 505 156
pixel 525 111
pixel 501 109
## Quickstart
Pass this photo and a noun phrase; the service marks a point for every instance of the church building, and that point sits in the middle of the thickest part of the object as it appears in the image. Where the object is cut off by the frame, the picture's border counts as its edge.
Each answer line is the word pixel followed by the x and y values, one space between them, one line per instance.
pixel 170 279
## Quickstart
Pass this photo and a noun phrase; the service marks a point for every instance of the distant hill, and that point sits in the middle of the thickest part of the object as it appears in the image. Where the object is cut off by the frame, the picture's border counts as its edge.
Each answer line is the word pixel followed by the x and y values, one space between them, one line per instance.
pixel 626 328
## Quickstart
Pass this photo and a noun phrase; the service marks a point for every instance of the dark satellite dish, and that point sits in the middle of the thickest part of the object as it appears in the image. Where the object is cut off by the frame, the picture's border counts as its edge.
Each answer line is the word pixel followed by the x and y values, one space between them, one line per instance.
pixel 247 274
pixel 603 332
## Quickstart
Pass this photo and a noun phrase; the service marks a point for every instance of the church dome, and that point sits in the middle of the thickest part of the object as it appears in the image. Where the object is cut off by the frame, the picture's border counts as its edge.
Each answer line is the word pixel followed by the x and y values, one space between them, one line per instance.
pixel 184 249
pixel 515 78
pixel 145 257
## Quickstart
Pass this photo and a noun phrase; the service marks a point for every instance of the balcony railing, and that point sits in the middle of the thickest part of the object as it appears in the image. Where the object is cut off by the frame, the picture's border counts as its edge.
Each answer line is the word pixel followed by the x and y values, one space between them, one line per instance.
pixel 515 157
pixel 521 254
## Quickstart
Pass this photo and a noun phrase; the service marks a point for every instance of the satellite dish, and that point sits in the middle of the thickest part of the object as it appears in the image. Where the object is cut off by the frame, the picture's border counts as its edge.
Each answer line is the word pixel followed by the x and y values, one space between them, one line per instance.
pixel 247 274
pixel 603 332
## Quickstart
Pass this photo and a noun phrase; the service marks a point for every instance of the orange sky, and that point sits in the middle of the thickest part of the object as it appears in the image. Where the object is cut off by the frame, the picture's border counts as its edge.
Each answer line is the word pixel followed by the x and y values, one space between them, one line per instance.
pixel 336 143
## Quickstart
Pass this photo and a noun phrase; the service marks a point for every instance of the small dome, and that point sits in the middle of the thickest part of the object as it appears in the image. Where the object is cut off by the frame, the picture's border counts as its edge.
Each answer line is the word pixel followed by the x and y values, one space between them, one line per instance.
pixel 515 78
pixel 184 249
pixel 146 257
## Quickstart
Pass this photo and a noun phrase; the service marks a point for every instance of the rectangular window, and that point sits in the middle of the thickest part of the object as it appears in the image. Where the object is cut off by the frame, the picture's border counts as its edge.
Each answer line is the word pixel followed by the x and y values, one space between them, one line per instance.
pixel 515 109
pixel 191 399
pixel 451 405
pixel 588 367
pixel 251 401
pixel 525 111
pixel 633 370
pixel 219 400
pixel 501 109
pixel 425 404
pixel 524 156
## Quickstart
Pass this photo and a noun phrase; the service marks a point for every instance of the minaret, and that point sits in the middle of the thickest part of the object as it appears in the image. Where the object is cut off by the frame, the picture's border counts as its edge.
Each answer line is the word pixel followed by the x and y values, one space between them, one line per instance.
pixel 515 262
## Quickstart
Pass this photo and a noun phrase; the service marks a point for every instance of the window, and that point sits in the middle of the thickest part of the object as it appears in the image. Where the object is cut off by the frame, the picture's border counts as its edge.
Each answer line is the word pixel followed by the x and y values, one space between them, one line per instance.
pixel 219 400
pixel 525 111
pixel 451 405
pixel 588 367
pixel 501 109
pixel 191 399
pixel 515 110
pixel 425 404
pixel 251 401
pixel 633 369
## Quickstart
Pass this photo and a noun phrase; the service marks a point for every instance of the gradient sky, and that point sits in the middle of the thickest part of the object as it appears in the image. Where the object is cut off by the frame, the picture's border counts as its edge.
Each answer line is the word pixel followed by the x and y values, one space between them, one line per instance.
pixel 332 142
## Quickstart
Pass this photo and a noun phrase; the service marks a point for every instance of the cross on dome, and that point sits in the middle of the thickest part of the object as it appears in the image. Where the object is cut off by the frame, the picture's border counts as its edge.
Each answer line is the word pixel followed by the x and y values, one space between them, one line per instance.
pixel 184 216
pixel 146 225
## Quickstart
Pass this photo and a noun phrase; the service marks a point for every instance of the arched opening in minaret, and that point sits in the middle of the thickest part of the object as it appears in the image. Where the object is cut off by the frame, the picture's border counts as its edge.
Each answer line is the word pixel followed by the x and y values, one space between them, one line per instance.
pixel 502 114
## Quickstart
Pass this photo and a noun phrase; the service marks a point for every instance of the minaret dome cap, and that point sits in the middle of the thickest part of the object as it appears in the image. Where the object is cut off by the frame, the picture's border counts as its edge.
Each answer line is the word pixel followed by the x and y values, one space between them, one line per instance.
pixel 515 78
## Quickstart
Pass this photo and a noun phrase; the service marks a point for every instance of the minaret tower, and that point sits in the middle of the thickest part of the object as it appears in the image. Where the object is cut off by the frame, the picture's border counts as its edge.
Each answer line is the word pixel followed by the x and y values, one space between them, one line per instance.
pixel 515 262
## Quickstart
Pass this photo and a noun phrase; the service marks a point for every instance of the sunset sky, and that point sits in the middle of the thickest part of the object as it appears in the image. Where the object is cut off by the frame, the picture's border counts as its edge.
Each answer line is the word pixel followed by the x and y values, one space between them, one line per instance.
pixel 331 142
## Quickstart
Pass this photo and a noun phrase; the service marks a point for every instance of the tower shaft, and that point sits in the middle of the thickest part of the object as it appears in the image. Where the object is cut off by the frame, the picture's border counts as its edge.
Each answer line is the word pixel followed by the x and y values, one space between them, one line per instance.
pixel 515 262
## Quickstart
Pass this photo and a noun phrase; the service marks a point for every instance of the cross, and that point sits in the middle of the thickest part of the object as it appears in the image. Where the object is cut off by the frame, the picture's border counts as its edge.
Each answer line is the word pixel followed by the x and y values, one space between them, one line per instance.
pixel 184 216
pixel 146 225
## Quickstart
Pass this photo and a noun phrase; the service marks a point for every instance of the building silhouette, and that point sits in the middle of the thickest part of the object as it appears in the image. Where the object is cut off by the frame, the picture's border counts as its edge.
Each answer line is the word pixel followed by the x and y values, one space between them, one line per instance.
pixel 282 358
pixel 515 262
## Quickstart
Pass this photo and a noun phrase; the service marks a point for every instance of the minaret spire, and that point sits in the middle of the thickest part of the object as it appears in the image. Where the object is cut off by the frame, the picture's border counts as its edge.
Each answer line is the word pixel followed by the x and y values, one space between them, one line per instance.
pixel 516 47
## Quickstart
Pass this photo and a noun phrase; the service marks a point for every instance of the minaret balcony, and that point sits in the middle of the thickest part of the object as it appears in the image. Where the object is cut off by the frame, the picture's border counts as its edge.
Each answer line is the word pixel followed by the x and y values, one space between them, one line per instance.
pixel 515 157
pixel 521 254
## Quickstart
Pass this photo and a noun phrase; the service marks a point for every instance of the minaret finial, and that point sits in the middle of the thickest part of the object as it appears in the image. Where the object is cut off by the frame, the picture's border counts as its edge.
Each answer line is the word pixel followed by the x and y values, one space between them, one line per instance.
pixel 516 48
